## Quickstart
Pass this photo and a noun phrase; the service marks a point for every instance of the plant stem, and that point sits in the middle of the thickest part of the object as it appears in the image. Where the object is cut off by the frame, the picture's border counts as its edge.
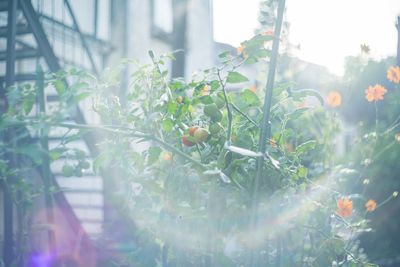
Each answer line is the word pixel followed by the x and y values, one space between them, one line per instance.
pixel 228 109
pixel 45 168
pixel 133 133
pixel 265 129
pixel 245 115
pixel 177 151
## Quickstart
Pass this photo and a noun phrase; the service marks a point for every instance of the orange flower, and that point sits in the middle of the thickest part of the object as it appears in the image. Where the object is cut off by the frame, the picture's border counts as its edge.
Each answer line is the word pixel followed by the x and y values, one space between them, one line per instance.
pixel 240 49
pixel 273 143
pixel 393 74
pixel 370 205
pixel 253 88
pixel 374 93
pixel 334 99
pixel 344 207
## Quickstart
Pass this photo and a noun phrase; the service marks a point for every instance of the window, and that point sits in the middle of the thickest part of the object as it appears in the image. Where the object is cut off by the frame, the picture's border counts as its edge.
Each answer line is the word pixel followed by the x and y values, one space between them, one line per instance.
pixel 162 19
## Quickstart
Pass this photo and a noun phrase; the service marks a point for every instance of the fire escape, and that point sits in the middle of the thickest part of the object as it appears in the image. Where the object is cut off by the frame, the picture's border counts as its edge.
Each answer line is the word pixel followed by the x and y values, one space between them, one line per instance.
pixel 49 34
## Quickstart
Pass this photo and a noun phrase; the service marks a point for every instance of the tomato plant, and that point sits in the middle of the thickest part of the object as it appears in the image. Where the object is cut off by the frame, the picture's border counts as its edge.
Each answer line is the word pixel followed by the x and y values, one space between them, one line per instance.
pixel 186 170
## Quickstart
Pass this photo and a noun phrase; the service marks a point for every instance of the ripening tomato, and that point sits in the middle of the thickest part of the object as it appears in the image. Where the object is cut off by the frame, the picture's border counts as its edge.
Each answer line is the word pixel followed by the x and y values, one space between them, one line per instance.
pixel 201 135
pixel 186 141
pixel 192 130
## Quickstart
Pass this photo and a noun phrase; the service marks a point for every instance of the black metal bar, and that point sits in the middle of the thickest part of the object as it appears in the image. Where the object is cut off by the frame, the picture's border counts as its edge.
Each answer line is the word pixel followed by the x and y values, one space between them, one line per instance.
pixel 90 139
pixel 21 77
pixel 81 36
pixel 18 54
pixel 99 42
pixel 54 66
pixel 8 249
pixel 96 14
pixel 3 6
pixel 52 62
pixel 40 35
pixel 9 252
pixel 24 44
pixel 21 29
pixel 265 131
pixel 11 33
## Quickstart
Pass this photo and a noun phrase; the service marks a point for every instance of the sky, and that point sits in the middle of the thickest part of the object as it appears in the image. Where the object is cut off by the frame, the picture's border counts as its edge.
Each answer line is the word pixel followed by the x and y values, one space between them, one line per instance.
pixel 327 30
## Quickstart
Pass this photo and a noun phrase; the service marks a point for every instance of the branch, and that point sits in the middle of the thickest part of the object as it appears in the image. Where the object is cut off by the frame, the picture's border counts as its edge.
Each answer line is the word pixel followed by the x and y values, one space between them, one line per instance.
pixel 133 133
pixel 228 109
pixel 245 115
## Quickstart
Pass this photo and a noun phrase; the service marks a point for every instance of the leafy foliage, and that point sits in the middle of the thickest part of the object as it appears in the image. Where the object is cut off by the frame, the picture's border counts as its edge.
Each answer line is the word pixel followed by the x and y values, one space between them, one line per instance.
pixel 189 202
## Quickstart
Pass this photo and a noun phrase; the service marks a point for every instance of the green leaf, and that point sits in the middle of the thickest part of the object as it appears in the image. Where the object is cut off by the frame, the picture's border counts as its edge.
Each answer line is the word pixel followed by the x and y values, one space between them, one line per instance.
pixel 79 86
pixel 82 96
pixel 56 153
pixel 257 41
pixel 176 84
pixel 214 85
pixel 60 87
pixel 102 161
pixel 236 77
pixel 244 140
pixel 249 97
pixel 302 171
pixel 206 99
pixel 28 104
pixel 297 113
pixel 300 94
pixel 224 54
pixel 305 147
pixel 168 124
pixel 153 154
pixel 172 108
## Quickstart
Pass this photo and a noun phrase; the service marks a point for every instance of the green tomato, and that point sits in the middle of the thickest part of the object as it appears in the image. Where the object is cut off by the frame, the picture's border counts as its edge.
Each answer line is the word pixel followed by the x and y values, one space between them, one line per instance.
pixel 219 102
pixel 68 170
pixel 84 165
pixel 215 129
pixel 213 112
pixel 210 109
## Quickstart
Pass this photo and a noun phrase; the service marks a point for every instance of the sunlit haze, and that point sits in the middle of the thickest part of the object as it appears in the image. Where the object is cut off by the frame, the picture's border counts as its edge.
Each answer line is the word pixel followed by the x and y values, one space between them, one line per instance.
pixel 327 31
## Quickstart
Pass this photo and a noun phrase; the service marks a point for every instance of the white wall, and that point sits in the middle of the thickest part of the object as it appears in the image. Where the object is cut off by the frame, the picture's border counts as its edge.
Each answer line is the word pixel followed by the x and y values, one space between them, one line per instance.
pixel 200 50
pixel 200 43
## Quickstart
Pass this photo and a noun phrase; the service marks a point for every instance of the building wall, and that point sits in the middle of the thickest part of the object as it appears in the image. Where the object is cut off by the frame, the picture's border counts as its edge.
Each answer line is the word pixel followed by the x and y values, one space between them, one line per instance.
pixel 199 35
pixel 130 31
pixel 200 49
